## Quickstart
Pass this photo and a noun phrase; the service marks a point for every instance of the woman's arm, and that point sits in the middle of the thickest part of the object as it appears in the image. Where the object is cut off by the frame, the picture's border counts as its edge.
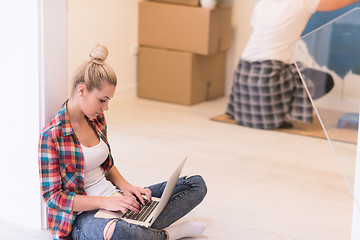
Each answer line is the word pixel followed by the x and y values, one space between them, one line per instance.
pixel 114 203
pixel 129 190
pixel 65 200
pixel 88 203
pixel 50 179
pixel 330 5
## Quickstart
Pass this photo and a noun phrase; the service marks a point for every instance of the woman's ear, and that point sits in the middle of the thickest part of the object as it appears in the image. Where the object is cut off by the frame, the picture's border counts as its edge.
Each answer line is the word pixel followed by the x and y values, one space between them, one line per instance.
pixel 81 90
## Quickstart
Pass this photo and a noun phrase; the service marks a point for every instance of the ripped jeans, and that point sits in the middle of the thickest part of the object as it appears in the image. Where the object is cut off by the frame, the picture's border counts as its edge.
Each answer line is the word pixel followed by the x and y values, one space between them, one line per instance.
pixel 188 193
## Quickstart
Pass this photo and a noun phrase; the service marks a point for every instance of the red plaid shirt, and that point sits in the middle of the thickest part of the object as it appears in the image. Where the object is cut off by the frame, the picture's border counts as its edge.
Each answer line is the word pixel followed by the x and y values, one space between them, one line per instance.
pixel 61 169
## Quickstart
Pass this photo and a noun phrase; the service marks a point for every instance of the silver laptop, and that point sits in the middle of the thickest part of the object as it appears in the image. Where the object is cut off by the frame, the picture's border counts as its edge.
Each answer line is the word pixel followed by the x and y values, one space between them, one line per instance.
pixel 149 212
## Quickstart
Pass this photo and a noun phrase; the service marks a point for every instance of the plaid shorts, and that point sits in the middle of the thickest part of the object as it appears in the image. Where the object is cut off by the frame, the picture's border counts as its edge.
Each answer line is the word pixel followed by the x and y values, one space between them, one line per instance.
pixel 264 92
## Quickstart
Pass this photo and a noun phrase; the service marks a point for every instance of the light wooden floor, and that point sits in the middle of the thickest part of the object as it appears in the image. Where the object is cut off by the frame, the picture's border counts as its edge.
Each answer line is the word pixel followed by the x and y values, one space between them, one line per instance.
pixel 262 185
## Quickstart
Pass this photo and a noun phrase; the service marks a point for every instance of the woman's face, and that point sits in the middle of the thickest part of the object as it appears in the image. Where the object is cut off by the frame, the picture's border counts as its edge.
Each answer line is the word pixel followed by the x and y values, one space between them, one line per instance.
pixel 94 103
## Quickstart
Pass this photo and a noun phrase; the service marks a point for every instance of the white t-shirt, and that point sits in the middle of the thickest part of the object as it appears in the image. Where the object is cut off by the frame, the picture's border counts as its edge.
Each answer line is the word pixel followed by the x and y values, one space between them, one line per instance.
pixel 94 177
pixel 277 24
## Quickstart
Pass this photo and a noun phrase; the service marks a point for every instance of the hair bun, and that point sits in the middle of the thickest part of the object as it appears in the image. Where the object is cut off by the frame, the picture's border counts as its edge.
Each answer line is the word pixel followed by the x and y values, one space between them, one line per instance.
pixel 99 54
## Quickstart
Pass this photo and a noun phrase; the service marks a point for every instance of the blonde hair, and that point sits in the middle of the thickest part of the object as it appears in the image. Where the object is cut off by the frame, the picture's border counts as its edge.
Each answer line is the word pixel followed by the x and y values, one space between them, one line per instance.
pixel 93 72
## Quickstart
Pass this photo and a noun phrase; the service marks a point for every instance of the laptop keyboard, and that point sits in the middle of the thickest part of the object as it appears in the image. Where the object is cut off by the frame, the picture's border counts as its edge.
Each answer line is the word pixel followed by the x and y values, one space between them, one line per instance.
pixel 144 213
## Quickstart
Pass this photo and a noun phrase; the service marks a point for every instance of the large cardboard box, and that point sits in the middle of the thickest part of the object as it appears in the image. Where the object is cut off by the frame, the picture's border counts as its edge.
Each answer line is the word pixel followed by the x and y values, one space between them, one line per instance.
pixel 180 77
pixel 192 29
pixel 183 2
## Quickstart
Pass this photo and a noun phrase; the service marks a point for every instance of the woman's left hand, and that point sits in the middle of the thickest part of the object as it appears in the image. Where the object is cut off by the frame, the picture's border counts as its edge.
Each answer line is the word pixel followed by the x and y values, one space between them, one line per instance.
pixel 130 190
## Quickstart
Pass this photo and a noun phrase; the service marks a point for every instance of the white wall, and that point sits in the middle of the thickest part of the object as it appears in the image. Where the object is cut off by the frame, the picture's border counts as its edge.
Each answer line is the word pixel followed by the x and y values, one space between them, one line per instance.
pixel 115 24
pixel 19 120
pixel 112 22
pixel 33 67
pixel 54 61
pixel 54 56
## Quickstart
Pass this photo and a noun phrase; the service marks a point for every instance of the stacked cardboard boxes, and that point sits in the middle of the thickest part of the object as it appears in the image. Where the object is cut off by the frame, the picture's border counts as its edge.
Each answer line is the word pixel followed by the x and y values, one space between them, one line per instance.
pixel 182 51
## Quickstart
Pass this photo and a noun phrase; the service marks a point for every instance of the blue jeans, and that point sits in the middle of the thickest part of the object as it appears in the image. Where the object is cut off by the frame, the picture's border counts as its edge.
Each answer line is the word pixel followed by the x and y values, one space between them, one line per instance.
pixel 188 193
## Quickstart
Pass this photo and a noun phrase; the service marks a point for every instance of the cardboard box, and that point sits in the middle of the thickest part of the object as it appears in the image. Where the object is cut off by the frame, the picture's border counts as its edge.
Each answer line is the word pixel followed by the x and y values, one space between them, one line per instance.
pixel 198 30
pixel 180 77
pixel 194 3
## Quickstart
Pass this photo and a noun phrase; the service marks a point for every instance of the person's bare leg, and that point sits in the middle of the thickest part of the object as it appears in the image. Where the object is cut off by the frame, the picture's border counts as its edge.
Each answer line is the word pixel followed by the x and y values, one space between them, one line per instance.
pixel 109 229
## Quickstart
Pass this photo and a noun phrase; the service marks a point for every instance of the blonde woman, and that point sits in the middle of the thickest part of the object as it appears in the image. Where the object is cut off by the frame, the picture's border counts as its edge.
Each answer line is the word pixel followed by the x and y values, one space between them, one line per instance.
pixel 78 175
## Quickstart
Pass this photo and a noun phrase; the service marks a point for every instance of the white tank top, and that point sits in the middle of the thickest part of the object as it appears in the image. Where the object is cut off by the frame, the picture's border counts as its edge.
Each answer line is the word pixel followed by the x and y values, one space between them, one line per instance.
pixel 94 180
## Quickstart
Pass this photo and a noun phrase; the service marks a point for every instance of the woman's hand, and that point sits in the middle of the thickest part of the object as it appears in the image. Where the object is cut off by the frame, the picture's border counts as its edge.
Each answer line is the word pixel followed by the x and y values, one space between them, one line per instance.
pixel 121 203
pixel 130 190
